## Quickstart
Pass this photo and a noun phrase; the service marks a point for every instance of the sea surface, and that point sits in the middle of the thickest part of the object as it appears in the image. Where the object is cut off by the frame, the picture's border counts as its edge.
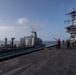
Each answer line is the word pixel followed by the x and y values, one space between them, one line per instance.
pixel 44 42
pixel 49 42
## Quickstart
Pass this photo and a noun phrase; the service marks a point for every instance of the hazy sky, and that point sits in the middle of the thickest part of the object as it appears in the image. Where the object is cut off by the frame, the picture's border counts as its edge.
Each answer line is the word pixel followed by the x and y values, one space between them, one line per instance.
pixel 19 17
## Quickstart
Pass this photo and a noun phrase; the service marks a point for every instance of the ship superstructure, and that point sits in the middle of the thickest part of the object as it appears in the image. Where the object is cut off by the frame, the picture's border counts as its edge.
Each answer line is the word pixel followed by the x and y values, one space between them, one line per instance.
pixel 72 28
pixel 30 40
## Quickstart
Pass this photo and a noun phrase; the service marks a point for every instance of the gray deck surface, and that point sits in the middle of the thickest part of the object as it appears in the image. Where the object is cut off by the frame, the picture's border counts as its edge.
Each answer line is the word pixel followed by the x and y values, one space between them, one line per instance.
pixel 44 62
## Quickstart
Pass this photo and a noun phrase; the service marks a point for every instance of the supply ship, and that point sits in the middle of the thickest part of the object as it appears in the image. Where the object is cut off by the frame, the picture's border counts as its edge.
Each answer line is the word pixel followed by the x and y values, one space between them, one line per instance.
pixel 26 44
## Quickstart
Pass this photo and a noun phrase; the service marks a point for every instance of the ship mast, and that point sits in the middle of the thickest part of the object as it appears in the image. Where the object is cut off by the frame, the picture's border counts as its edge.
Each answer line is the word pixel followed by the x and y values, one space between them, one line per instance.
pixel 73 15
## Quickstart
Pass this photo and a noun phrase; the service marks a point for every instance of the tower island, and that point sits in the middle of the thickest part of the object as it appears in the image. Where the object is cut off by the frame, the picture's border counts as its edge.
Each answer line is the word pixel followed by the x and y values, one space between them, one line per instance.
pixel 72 28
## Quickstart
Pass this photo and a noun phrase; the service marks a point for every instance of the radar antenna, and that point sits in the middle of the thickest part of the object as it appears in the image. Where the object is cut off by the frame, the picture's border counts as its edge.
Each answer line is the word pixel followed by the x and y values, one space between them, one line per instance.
pixel 73 16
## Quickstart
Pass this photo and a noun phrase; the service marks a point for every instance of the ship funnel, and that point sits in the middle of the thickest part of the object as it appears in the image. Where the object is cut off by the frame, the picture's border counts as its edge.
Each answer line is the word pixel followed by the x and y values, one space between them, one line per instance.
pixel 34 33
pixel 5 41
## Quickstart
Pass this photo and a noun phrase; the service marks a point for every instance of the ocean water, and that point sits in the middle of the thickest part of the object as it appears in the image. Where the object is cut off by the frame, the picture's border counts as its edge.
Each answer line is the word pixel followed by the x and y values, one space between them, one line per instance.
pixel 44 42
pixel 15 42
pixel 49 42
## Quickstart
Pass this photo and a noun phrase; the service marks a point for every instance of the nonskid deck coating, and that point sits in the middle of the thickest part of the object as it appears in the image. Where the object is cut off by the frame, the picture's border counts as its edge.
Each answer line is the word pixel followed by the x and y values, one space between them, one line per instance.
pixel 45 62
